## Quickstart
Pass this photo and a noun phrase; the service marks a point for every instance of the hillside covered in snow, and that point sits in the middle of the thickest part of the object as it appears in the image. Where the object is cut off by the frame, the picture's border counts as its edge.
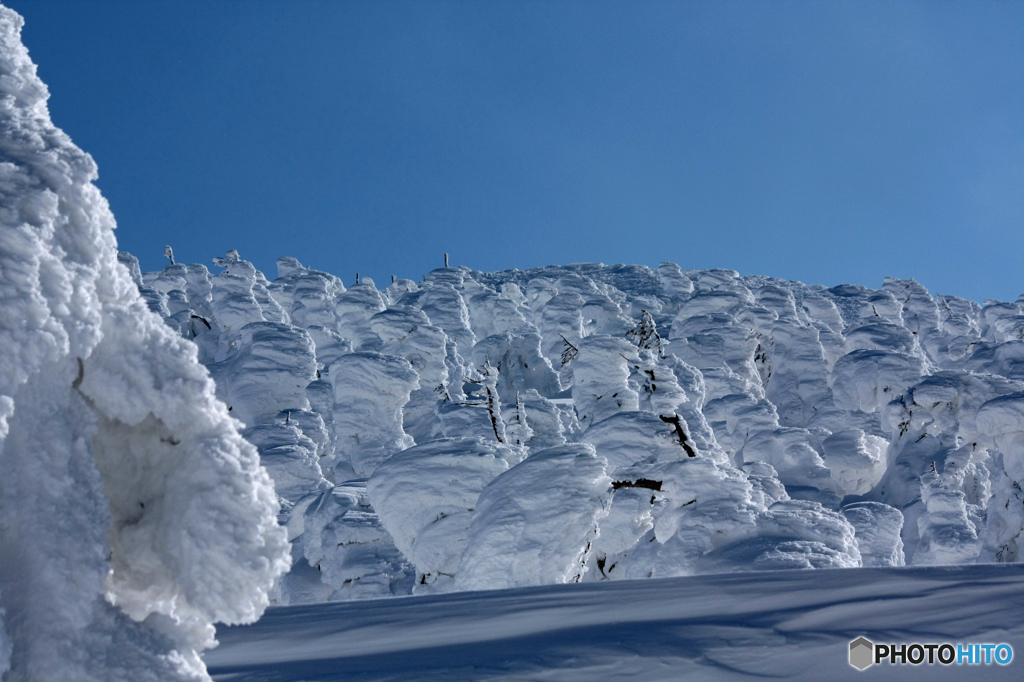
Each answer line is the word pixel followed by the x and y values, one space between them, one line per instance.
pixel 589 422
pixel 791 625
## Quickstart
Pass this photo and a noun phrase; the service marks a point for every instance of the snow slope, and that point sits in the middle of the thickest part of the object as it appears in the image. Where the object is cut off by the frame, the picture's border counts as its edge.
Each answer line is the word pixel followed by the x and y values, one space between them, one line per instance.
pixel 774 625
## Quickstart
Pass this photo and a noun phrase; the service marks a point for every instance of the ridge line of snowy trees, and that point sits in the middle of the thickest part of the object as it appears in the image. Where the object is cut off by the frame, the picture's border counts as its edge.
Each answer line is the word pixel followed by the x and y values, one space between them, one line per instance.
pixel 590 422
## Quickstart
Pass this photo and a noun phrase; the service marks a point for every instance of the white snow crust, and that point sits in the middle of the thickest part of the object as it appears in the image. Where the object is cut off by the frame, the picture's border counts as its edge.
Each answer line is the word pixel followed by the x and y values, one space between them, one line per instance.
pixel 791 625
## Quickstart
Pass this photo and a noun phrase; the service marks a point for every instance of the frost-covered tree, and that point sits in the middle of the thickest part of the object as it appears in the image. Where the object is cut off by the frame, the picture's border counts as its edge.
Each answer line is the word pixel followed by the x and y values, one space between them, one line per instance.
pixel 487 379
pixel 645 335
pixel 536 522
pixel 133 516
pixel 518 427
pixel 569 351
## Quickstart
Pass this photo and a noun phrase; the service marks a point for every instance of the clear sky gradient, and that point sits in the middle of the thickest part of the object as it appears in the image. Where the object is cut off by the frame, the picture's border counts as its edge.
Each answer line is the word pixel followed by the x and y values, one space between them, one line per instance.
pixel 828 142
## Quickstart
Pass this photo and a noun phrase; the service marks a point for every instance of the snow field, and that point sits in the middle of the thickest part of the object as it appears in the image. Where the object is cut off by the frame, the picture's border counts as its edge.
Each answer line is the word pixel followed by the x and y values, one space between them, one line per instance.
pixel 792 625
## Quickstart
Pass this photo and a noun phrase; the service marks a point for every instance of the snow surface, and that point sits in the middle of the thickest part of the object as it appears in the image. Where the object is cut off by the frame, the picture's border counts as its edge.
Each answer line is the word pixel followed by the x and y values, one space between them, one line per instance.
pixel 792 625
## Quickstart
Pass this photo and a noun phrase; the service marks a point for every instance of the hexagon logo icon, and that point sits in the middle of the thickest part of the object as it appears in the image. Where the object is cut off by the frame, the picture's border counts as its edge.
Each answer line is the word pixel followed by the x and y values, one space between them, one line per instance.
pixel 862 653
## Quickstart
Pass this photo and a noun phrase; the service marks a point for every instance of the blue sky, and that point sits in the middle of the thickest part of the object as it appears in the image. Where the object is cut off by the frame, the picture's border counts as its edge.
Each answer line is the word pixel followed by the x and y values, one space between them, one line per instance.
pixel 828 142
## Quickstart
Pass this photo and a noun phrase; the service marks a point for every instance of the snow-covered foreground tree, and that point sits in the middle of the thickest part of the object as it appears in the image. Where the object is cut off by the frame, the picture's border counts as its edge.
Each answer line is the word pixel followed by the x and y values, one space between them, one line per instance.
pixel 133 516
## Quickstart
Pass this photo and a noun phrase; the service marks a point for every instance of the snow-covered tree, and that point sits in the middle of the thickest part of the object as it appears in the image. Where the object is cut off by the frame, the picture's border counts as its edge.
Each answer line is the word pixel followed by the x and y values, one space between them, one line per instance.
pixel 645 334
pixel 133 514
